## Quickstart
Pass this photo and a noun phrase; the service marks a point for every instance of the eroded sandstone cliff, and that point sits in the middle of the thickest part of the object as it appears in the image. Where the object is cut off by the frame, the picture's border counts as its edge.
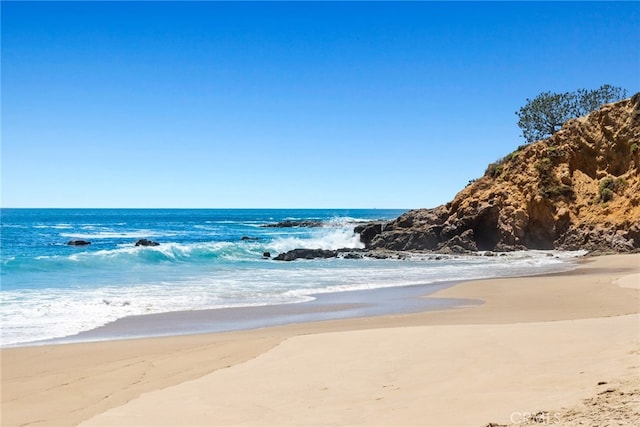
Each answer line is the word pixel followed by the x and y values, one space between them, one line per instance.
pixel 579 189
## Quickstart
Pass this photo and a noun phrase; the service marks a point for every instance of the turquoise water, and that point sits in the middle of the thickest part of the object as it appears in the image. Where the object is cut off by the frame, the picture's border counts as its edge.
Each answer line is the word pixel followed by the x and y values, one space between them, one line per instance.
pixel 50 289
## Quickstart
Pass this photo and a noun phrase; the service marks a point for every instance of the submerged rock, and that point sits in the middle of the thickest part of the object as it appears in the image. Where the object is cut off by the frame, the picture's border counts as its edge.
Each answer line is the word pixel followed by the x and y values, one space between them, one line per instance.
pixel 78 243
pixel 345 253
pixel 306 254
pixel 147 242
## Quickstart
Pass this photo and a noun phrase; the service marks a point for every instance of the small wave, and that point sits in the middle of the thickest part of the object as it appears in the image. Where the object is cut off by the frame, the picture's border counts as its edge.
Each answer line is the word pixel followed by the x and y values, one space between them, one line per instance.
pixel 137 234
pixel 345 220
pixel 7 261
pixel 322 238
pixel 45 312
pixel 20 226
pixel 124 256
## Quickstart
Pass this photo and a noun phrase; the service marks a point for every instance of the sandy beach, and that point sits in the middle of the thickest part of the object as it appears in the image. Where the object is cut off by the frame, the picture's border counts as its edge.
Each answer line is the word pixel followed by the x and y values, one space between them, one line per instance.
pixel 563 347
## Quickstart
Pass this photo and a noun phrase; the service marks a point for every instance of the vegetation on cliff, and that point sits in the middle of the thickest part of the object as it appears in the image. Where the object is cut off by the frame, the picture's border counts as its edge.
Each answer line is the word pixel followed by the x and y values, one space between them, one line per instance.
pixel 578 189
pixel 545 114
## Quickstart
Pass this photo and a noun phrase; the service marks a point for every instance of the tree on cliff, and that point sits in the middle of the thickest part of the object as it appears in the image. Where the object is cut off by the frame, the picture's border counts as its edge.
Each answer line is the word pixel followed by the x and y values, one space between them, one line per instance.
pixel 545 114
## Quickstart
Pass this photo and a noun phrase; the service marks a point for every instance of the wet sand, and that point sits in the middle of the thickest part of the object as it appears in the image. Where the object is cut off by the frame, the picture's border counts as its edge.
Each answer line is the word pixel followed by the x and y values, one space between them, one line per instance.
pixel 535 343
pixel 328 306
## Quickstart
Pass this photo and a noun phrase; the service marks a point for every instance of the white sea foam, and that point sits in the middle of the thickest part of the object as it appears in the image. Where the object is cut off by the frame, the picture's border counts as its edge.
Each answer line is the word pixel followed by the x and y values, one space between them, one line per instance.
pixel 126 255
pixel 55 226
pixel 56 290
pixel 321 238
pixel 135 234
pixel 32 316
pixel 35 315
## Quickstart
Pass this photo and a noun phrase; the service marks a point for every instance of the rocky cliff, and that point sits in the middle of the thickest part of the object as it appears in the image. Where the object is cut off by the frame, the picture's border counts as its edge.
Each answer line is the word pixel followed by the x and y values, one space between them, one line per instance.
pixel 579 189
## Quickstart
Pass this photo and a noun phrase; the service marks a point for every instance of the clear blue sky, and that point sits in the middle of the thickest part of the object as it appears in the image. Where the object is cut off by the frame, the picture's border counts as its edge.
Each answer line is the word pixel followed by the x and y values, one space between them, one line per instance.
pixel 355 105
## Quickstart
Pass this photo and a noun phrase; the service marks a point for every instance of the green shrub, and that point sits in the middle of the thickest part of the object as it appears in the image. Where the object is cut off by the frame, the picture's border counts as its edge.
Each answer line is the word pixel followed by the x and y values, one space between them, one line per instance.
pixel 555 190
pixel 606 194
pixel 494 170
pixel 543 166
pixel 512 156
pixel 555 152
pixel 548 186
pixel 610 186
pixel 634 147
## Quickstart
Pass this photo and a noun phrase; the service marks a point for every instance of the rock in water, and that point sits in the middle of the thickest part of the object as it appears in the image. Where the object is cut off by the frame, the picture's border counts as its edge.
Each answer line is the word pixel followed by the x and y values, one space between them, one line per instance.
pixel 78 243
pixel 306 254
pixel 146 242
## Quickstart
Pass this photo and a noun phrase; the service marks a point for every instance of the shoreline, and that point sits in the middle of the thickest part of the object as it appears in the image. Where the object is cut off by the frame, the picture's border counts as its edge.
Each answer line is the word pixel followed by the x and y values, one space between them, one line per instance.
pixel 102 382
pixel 325 306
pixel 383 301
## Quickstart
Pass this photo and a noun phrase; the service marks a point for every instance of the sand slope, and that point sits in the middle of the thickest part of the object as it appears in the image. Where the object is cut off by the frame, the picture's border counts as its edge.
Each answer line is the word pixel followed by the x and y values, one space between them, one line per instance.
pixel 540 343
pixel 427 375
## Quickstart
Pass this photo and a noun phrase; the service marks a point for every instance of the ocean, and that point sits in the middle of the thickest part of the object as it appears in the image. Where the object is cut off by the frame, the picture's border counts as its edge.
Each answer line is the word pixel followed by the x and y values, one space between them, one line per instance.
pixel 51 290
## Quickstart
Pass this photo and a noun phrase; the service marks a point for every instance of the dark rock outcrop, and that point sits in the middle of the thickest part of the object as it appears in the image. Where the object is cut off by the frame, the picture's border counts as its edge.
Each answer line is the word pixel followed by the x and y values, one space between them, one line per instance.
pixel 352 255
pixel 346 253
pixel 579 189
pixel 370 230
pixel 245 238
pixel 146 242
pixel 78 243
pixel 306 254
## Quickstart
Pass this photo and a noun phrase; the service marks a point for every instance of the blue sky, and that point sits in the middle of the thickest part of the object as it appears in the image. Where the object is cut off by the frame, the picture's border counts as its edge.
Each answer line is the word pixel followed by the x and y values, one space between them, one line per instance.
pixel 284 105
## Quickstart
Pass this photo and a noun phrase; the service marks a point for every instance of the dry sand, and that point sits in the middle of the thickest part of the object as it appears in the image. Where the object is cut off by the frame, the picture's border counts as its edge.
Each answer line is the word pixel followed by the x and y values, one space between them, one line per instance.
pixel 543 343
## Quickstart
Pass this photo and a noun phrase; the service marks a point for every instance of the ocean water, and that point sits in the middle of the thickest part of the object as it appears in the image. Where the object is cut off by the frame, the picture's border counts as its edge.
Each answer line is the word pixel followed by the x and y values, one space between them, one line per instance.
pixel 50 289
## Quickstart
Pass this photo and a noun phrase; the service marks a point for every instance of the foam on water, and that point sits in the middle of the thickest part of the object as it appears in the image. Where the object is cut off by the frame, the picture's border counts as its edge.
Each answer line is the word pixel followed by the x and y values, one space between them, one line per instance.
pixel 138 234
pixel 127 254
pixel 320 238
pixel 35 315
pixel 52 290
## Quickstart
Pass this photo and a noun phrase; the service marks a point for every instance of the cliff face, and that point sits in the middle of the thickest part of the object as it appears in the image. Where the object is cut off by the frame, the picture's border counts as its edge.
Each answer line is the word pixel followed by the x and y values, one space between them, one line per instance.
pixel 579 189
